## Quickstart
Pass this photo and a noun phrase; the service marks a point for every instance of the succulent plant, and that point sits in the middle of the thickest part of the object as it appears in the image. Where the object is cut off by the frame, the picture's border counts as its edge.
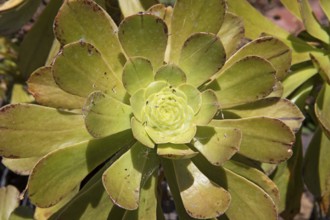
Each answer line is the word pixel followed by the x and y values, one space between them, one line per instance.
pixel 307 86
pixel 165 94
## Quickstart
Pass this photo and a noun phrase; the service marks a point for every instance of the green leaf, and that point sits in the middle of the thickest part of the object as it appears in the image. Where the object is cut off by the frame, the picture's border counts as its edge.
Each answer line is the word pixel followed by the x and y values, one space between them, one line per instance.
pixel 71 25
pixel 246 81
pixel 281 109
pixel 22 213
pixel 155 87
pixel 293 7
pixel 194 187
pixel 92 201
pixel 271 147
pixel 256 24
pixel 255 176
pixel 46 92
pixel 140 133
pixel 253 202
pixel 208 108
pixel 105 115
pixel 325 5
pixel 277 90
pixel 268 48
pixel 36 45
pixel 129 8
pixel 202 55
pixel 217 144
pixel 231 33
pixel 130 171
pixel 137 74
pixel 80 69
pixel 311 24
pixel 322 64
pixel 247 197
pixel 189 17
pixel 46 213
pixel 172 74
pixel 21 166
pixel 322 108
pixel 20 95
pixel 296 79
pixel 194 97
pixel 144 35
pixel 289 180
pixel 317 166
pixel 58 173
pixel 44 129
pixel 14 14
pixel 137 102
pixel 177 138
pixel 175 151
pixel 9 200
pixel 148 202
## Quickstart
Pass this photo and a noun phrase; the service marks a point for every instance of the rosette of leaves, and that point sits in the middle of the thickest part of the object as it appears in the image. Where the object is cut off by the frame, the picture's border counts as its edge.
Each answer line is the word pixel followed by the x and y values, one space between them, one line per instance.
pixel 167 89
pixel 307 86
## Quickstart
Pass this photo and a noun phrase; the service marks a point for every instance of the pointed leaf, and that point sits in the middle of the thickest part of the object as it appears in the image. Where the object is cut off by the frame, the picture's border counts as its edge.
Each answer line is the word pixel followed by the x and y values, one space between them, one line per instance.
pixel 175 151
pixel 248 80
pixel 252 202
pixel 80 69
pixel 293 7
pixel 46 92
pixel 271 147
pixel 189 17
pixel 22 213
pixel 144 35
pixel 296 79
pixel 140 133
pixel 281 109
pixel 326 7
pixel 217 144
pixel 69 166
pixel 92 201
pixel 268 48
pixel 231 33
pixel 71 25
pixel 137 74
pixel 46 213
pixel 14 16
pixel 194 97
pixel 322 64
pixel 289 180
pixel 208 108
pixel 9 200
pixel 130 170
pixel 256 24
pixel 172 74
pixel 20 95
pixel 322 108
pixel 194 187
pixel 37 43
pixel 255 176
pixel 202 56
pixel 44 129
pixel 311 24
pixel 129 8
pixel 21 166
pixel 317 165
pixel 105 115
pixel 148 202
